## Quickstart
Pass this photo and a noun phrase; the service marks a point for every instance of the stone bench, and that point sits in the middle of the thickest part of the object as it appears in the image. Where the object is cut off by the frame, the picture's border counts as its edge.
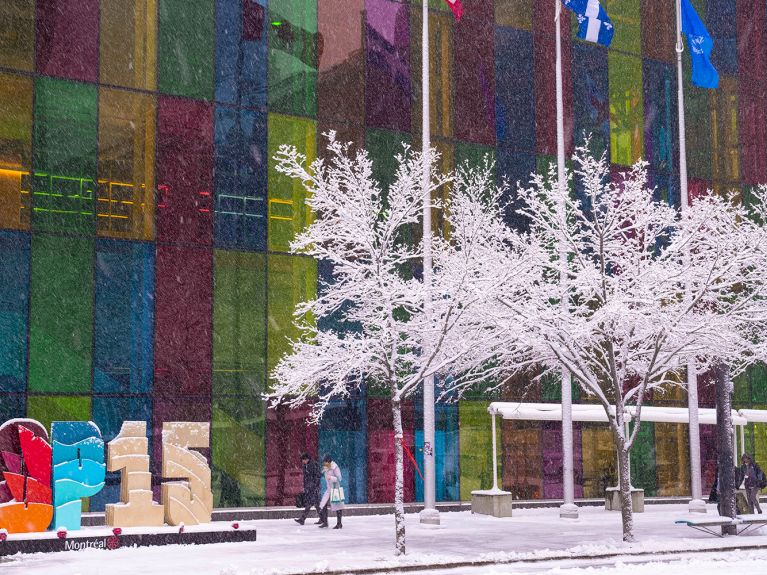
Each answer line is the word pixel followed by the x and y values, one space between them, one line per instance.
pixel 613 499
pixel 493 502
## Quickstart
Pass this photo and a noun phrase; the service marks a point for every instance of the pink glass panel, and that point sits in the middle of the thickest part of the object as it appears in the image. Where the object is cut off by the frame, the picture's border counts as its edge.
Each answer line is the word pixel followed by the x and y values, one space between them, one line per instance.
pixel 68 38
pixel 381 458
pixel 552 460
pixel 184 171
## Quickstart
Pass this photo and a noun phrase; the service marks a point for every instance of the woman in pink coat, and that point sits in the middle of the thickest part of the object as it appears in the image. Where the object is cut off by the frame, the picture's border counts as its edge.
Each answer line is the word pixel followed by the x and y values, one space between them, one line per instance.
pixel 333 480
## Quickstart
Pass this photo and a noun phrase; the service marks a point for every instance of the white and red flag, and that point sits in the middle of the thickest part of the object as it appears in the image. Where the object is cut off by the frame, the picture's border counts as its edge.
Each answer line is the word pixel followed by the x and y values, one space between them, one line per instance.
pixel 456 7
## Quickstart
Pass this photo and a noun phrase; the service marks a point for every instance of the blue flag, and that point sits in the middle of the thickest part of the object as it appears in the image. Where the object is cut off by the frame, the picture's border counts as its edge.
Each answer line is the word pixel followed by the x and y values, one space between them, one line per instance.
pixel 593 23
pixel 700 44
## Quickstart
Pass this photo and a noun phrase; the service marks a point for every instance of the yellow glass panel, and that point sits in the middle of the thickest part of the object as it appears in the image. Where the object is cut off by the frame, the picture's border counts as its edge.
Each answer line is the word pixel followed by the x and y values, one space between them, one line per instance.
pixel 17 34
pixel 15 150
pixel 515 13
pixel 599 460
pixel 672 461
pixel 440 74
pixel 725 145
pixel 626 108
pixel 125 206
pixel 128 43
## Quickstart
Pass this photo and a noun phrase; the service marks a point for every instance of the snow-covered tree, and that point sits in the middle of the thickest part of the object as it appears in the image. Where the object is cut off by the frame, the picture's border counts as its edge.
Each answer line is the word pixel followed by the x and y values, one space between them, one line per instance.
pixel 375 300
pixel 648 289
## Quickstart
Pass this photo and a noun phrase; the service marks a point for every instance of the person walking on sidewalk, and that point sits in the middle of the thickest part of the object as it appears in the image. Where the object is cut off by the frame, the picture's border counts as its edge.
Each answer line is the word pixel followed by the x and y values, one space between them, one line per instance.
pixel 311 488
pixel 334 492
pixel 751 478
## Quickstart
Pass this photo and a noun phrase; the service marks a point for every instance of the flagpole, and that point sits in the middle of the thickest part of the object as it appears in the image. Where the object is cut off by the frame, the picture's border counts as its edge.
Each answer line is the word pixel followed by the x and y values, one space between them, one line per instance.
pixel 429 514
pixel 696 505
pixel 568 509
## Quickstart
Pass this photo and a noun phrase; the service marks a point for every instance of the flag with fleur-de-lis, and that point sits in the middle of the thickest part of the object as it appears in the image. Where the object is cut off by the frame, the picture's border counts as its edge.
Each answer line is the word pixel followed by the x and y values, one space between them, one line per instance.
pixel 594 24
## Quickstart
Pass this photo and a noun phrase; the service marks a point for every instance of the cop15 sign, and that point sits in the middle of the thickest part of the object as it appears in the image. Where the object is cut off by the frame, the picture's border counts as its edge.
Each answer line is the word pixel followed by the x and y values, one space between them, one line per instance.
pixel 45 479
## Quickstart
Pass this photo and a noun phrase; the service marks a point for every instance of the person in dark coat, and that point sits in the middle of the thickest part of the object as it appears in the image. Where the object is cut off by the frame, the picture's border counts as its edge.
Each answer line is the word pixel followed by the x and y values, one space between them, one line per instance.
pixel 311 488
pixel 751 478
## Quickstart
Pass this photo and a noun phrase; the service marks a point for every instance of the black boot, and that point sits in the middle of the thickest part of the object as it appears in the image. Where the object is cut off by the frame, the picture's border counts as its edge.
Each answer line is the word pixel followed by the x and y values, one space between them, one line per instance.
pixel 323 517
pixel 338 520
pixel 300 520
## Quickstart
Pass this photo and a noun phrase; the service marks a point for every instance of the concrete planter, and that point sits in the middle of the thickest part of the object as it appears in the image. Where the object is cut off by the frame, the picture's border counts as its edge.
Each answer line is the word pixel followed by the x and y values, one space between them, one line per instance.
pixel 491 502
pixel 613 499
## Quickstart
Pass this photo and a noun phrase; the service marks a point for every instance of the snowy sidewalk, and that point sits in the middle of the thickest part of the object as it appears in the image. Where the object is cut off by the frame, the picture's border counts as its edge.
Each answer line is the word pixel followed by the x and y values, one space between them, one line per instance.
pixel 366 543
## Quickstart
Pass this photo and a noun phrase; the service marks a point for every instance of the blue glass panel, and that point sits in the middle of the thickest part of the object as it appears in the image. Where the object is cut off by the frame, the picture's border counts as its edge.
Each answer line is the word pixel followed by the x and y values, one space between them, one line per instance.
pixel 515 79
pixel 446 452
pixel 516 168
pixel 343 434
pixel 109 414
pixel 14 303
pixel 721 21
pixel 240 179
pixel 661 128
pixel 124 317
pixel 241 52
pixel 12 405
pixel 591 105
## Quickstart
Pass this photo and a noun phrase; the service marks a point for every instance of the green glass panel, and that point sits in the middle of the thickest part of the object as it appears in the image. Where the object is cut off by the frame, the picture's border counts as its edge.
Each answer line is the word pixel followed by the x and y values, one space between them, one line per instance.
pixel 187 34
pixel 476 453
pixel 237 442
pixel 292 279
pixel 239 323
pixel 47 409
pixel 288 213
pixel 515 13
pixel 17 34
pixel 65 156
pixel 293 44
pixel 383 146
pixel 625 16
pixel 758 445
pixel 626 108
pixel 697 127
pixel 61 314
pixel 474 154
pixel 742 395
pixel 758 378
pixel 643 473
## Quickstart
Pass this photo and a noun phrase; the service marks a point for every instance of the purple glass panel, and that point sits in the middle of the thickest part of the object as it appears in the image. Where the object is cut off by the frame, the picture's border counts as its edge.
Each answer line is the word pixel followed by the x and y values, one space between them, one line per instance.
pixel 287 436
pixel 387 70
pixel 68 38
pixel 174 409
pixel 474 71
pixel 183 321
pixel 184 171
pixel 552 460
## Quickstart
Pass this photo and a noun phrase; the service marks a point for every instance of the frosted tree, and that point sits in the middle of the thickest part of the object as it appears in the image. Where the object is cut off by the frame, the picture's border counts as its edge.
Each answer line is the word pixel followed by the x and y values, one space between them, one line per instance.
pixel 375 301
pixel 647 290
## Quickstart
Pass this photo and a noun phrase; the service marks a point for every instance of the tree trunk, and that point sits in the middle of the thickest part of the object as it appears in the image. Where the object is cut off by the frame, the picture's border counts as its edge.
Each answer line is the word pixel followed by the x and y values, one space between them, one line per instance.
pixel 726 458
pixel 624 482
pixel 399 496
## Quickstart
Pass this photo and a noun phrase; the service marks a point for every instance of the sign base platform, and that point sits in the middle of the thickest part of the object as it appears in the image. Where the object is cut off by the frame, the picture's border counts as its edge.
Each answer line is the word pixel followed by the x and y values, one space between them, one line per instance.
pixel 105 538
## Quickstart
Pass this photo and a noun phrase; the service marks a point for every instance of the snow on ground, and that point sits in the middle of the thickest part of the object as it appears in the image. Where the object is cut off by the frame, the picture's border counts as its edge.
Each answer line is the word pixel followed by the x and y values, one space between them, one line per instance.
pixel 367 542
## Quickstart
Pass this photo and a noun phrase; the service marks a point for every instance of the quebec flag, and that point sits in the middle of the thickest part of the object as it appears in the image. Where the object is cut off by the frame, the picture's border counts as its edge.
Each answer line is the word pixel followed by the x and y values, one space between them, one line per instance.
pixel 594 24
pixel 704 75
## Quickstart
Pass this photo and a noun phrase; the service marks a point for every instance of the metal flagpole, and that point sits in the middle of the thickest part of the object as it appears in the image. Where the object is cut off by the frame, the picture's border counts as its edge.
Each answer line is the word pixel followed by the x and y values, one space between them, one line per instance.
pixel 568 508
pixel 429 514
pixel 697 505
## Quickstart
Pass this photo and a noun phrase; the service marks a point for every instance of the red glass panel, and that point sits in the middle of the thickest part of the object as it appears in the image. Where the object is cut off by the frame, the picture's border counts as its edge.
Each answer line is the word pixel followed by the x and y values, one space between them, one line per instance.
pixel 287 437
pixel 752 104
pixel 175 409
pixel 183 321
pixel 381 459
pixel 752 41
pixel 184 171
pixel 68 38
pixel 474 71
pixel 697 188
pixel 545 81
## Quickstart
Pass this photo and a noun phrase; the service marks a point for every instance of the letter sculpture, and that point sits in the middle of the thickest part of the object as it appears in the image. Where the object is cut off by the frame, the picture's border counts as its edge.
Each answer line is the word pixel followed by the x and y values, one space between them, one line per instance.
pixel 78 469
pixel 25 462
pixel 129 452
pixel 191 501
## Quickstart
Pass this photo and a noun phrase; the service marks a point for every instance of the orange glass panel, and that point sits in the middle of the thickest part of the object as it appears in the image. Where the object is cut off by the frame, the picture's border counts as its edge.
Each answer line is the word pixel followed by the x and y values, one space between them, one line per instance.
pixel 17 34
pixel 128 43
pixel 15 150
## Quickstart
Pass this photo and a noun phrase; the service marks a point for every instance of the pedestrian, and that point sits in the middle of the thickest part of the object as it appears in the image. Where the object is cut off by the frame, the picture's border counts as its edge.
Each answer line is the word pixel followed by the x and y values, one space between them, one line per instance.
pixel 334 492
pixel 311 488
pixel 751 478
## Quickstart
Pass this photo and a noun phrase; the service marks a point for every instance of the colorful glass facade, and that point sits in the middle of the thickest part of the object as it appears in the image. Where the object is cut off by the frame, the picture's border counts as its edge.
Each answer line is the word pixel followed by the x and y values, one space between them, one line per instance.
pixel 144 271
